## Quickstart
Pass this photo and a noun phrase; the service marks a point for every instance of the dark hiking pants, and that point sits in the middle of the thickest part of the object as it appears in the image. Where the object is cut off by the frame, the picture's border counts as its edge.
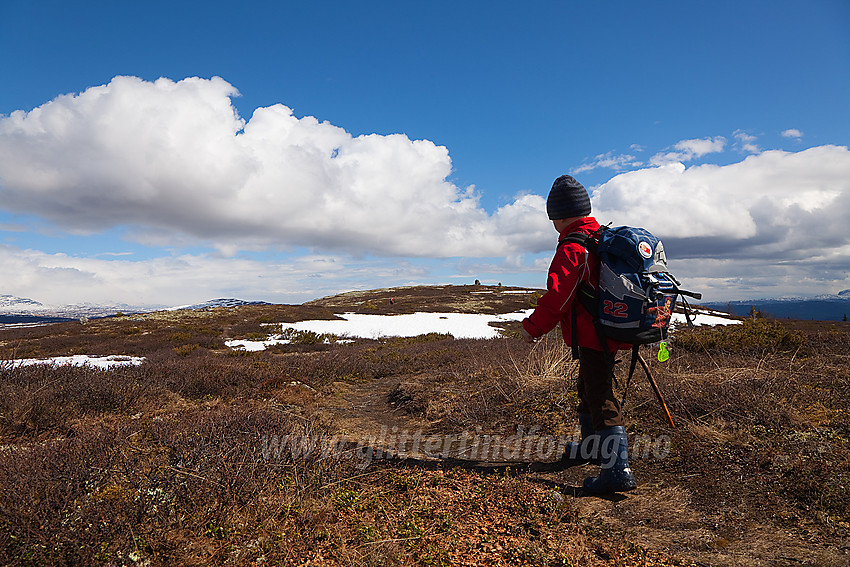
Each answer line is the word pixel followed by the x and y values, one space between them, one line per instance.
pixel 596 391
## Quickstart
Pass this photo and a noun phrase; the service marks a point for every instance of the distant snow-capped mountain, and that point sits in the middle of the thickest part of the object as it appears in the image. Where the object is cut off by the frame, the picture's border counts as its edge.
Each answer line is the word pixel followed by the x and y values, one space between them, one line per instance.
pixel 829 307
pixel 22 311
pixel 222 302
pixel 13 302
pixel 11 305
pixel 839 297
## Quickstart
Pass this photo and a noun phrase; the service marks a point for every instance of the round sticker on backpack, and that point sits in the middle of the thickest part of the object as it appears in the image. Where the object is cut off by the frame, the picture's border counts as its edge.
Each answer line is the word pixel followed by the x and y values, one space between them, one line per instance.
pixel 645 249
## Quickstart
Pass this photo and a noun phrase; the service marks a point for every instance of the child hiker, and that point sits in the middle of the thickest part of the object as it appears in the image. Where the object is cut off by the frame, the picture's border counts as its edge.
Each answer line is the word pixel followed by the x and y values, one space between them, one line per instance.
pixel 603 432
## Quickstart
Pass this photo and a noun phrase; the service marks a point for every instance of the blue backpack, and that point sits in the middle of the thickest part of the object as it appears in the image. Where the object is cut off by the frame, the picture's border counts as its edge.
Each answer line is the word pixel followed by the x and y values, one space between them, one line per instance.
pixel 637 294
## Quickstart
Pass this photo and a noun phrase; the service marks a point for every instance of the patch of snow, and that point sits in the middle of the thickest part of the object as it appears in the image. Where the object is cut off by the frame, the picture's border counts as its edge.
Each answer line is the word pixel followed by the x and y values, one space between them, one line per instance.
pixel 254 346
pixel 26 325
pixel 502 292
pixel 101 362
pixel 356 325
pixel 700 319
pixel 459 325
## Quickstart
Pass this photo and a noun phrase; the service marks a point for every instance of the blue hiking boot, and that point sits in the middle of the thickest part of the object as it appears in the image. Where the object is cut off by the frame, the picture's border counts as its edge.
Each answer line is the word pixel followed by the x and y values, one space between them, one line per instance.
pixel 615 474
pixel 586 450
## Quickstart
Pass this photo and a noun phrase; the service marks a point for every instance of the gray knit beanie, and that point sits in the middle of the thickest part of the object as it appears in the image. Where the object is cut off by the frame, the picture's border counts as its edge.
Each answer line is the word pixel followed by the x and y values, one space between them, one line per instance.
pixel 568 198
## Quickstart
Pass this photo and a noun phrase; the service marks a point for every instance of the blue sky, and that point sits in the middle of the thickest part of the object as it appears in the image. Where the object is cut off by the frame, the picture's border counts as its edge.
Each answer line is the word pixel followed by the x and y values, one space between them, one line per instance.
pixel 144 157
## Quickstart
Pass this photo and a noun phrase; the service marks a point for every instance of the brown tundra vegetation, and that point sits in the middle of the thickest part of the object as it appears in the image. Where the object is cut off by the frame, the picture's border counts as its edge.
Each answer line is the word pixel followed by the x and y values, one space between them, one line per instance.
pixel 413 451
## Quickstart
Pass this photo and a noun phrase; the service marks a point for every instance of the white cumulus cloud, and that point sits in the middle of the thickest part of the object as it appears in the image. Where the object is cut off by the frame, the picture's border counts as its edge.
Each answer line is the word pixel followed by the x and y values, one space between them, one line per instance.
pixel 792 133
pixel 687 150
pixel 176 163
pixel 745 142
pixel 775 204
pixel 61 279
pixel 774 224
pixel 610 160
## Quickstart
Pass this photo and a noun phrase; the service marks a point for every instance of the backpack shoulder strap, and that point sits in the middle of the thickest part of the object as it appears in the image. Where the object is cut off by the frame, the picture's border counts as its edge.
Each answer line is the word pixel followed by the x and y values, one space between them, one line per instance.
pixel 586 296
pixel 579 238
pixel 589 241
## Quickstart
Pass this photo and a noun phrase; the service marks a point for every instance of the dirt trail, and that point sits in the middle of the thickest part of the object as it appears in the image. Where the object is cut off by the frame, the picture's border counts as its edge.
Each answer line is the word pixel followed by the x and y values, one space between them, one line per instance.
pixel 660 513
pixel 365 409
pixel 383 413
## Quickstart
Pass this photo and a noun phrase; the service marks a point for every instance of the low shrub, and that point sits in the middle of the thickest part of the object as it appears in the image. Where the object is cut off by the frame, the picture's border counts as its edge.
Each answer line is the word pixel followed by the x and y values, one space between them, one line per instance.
pixel 298 337
pixel 751 335
pixel 42 399
pixel 187 349
pixel 148 488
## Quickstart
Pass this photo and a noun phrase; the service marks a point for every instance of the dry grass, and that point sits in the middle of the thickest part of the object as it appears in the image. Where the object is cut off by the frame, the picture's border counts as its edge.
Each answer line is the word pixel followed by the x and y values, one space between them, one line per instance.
pixel 175 462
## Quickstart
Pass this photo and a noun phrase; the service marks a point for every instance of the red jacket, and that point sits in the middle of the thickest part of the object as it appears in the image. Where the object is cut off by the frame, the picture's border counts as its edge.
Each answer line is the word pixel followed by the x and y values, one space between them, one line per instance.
pixel 571 265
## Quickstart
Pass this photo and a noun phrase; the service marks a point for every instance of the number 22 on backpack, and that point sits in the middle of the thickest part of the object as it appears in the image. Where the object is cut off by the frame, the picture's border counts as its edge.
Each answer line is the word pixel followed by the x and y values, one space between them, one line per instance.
pixel 617 309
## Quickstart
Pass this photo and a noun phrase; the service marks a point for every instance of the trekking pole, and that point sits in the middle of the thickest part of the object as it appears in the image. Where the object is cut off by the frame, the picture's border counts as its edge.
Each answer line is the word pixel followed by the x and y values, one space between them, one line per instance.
pixel 657 390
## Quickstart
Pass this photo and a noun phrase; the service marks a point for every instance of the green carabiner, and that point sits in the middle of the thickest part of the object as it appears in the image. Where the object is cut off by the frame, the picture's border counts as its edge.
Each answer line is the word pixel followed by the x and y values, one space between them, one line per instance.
pixel 663 353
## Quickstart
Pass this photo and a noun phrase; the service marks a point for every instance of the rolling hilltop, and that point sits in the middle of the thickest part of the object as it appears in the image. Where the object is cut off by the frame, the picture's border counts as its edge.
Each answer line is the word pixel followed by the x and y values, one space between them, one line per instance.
pixel 400 300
